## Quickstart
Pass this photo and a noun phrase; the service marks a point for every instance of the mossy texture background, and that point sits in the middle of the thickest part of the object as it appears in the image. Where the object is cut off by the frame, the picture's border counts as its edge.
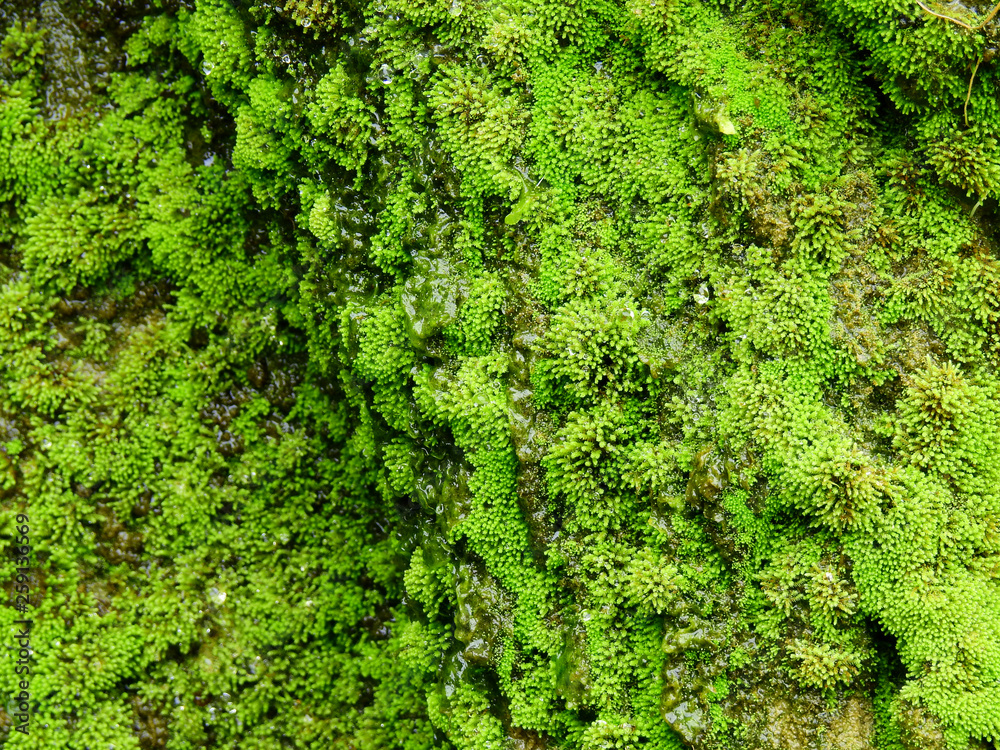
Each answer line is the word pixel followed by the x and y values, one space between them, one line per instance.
pixel 502 374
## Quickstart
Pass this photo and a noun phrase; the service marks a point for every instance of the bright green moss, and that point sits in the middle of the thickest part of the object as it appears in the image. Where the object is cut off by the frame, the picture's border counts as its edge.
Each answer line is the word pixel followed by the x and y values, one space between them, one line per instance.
pixel 450 374
pixel 335 112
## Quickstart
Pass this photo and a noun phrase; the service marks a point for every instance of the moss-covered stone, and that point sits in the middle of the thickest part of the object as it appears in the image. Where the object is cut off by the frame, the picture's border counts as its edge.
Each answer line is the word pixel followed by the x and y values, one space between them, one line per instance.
pixel 502 374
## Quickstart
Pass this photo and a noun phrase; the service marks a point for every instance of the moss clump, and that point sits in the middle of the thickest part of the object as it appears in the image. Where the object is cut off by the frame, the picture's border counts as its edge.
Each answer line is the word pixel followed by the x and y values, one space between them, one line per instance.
pixel 488 375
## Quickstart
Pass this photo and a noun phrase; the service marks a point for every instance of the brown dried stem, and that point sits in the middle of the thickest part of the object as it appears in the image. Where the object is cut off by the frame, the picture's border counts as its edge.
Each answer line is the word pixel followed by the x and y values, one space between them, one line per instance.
pixel 963 24
pixel 989 17
pixel 968 95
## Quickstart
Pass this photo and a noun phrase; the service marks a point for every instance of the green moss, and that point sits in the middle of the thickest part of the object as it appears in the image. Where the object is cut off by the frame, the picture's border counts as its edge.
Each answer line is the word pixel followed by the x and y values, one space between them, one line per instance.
pixel 502 375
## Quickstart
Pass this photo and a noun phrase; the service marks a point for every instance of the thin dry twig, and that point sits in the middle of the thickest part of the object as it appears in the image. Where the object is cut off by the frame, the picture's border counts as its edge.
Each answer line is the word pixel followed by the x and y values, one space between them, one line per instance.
pixel 989 17
pixel 968 95
pixel 963 24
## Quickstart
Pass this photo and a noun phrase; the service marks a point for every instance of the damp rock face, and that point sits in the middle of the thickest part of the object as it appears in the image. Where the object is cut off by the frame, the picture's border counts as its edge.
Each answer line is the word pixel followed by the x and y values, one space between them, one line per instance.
pixel 792 723
pixel 502 374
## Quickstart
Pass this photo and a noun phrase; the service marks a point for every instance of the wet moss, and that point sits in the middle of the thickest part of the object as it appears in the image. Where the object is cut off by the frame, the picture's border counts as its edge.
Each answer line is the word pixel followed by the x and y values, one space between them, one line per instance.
pixel 490 375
